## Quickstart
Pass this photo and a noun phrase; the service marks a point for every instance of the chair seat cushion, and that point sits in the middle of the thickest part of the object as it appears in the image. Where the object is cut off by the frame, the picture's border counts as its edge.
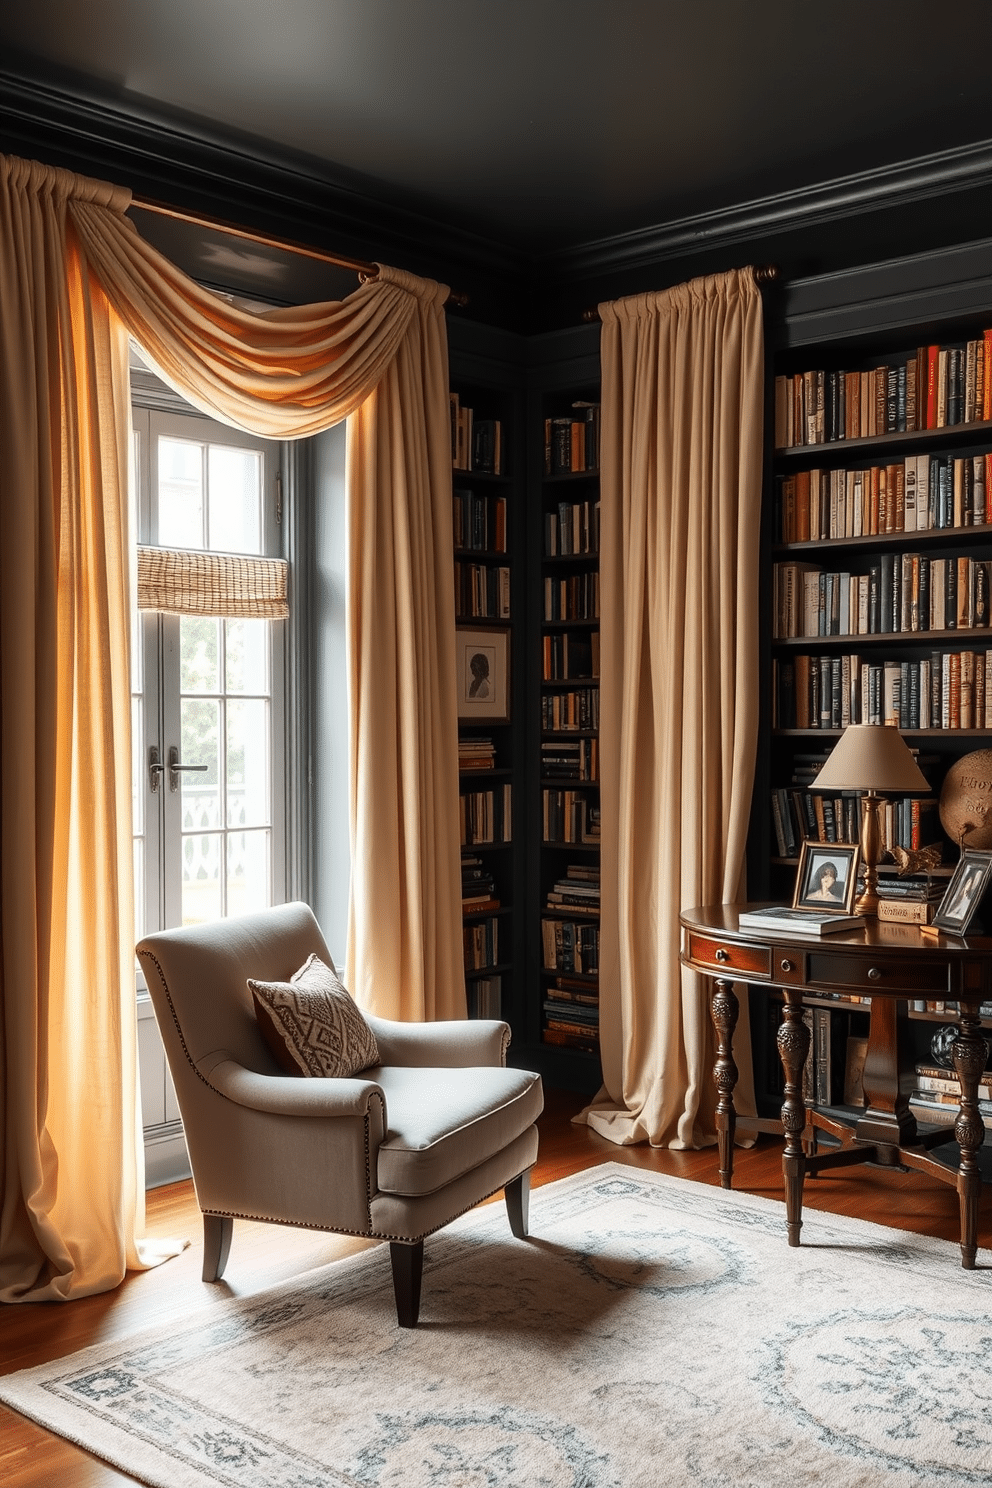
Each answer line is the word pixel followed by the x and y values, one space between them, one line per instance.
pixel 441 1123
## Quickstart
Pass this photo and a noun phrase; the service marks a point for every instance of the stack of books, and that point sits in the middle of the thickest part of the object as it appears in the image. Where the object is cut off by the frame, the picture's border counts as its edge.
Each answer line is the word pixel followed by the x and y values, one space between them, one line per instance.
pixel 912 900
pixel 476 754
pixel 478 887
pixel 938 1095
pixel 571 1015
pixel 577 891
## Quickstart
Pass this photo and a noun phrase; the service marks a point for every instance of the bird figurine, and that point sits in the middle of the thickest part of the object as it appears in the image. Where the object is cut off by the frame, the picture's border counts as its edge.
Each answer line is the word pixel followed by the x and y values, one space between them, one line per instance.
pixel 918 859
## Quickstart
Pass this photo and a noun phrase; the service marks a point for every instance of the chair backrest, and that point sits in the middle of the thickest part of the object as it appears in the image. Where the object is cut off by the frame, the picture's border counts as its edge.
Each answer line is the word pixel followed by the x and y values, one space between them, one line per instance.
pixel 198 978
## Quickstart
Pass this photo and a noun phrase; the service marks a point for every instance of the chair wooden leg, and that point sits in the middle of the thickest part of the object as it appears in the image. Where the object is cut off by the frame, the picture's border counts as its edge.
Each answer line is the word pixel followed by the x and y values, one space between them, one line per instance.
pixel 217 1232
pixel 408 1268
pixel 517 1195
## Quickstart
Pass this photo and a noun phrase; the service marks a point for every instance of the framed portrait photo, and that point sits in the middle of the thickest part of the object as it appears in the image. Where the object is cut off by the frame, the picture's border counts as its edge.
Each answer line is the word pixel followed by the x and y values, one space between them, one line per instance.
pixel 828 877
pixel 482 662
pixel 962 908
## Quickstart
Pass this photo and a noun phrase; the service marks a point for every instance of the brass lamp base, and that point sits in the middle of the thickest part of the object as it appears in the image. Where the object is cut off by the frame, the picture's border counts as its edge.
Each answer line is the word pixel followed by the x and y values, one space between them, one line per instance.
pixel 871 841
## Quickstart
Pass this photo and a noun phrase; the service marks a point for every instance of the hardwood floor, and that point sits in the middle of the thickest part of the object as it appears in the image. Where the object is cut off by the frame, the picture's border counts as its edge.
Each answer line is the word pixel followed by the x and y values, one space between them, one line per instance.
pixel 263 1255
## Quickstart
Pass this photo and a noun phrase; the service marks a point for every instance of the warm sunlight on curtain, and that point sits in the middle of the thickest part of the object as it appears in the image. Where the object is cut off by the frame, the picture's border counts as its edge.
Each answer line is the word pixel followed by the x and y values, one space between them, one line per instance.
pixel 74 278
pixel 681 497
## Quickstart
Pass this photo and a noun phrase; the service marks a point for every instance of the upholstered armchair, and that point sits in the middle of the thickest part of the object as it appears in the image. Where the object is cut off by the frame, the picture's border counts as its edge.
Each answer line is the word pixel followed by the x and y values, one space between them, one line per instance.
pixel 394 1152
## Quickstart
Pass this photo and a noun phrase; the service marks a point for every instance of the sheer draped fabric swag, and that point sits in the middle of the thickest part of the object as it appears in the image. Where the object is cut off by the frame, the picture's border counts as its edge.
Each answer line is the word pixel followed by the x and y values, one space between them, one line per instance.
pixel 75 278
pixel 682 403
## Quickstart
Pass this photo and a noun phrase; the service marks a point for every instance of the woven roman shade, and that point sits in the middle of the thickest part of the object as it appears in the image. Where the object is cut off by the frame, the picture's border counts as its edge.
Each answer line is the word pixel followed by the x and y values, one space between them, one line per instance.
pixel 198 583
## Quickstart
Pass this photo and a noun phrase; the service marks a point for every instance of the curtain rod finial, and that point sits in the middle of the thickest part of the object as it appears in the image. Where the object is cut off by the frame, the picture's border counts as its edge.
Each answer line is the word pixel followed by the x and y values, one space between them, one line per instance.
pixel 766 273
pixel 590 315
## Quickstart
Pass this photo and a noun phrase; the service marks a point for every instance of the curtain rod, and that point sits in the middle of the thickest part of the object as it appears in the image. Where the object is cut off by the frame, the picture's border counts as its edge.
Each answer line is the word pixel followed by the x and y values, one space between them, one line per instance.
pixel 365 271
pixel 763 274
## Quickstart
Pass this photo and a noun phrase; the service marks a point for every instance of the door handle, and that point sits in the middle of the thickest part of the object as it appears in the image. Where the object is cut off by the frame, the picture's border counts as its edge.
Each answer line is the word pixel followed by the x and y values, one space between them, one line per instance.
pixel 155 768
pixel 175 767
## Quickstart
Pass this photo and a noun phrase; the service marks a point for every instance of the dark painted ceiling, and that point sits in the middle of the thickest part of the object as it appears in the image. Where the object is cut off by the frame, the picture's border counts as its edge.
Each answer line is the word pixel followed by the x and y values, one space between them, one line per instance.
pixel 545 123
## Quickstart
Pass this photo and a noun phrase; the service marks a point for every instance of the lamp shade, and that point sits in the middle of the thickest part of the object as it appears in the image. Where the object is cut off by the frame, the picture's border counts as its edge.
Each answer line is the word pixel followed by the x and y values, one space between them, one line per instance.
pixel 871 757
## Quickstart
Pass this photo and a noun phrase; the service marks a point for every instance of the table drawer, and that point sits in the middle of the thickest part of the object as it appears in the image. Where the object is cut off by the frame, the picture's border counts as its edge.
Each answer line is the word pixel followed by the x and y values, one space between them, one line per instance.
pixel 726 958
pixel 914 976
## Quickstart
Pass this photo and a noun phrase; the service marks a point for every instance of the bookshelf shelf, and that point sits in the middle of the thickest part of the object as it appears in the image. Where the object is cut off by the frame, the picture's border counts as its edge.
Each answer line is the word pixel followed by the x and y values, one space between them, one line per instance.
pixel 978 431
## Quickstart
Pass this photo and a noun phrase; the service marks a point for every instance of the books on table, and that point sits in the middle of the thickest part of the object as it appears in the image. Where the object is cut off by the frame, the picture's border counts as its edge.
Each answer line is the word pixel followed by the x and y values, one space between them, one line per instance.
pixel 798 921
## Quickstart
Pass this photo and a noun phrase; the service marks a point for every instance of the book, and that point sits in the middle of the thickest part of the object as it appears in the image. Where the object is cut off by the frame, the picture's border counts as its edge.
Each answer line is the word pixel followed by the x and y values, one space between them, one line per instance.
pixel 801 921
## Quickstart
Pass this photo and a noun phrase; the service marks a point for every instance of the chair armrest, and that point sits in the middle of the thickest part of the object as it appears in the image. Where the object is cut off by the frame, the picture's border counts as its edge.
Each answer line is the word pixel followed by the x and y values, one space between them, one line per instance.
pixel 285 1095
pixel 457 1044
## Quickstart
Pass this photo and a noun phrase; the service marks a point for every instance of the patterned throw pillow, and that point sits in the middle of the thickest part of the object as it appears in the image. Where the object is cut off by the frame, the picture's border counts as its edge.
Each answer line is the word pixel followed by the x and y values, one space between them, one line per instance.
pixel 311 1024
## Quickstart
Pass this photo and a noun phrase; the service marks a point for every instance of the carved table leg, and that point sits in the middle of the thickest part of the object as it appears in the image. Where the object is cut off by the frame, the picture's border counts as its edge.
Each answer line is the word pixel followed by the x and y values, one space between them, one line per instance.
pixel 724 1009
pixel 969 1052
pixel 793 1045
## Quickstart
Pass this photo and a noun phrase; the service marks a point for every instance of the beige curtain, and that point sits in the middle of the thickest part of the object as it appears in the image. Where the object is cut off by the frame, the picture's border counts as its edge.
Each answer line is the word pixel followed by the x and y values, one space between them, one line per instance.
pixel 682 408
pixel 74 278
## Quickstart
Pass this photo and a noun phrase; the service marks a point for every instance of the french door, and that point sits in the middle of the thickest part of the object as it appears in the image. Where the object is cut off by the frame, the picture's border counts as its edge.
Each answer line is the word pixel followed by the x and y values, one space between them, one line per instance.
pixel 208 721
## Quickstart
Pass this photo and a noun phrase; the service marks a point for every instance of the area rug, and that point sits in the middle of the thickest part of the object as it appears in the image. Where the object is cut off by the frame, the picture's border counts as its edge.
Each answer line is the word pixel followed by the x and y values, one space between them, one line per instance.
pixel 651 1332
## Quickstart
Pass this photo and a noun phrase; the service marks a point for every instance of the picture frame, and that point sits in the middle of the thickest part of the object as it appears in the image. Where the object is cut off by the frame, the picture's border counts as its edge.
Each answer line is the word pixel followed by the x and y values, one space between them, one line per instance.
pixel 827 878
pixel 962 907
pixel 482 664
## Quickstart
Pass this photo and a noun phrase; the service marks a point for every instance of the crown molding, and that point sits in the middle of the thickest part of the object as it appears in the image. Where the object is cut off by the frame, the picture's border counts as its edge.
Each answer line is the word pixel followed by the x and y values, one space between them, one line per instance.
pixel 965 168
pixel 184 161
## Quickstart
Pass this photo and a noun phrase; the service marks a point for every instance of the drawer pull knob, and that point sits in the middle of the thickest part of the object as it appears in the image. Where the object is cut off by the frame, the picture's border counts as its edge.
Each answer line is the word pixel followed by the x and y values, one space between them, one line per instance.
pixel 788 965
pixel 722 955
pixel 874 975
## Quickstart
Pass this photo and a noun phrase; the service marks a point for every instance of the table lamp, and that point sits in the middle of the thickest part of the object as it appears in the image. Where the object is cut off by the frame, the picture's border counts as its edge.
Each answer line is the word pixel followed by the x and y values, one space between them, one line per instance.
pixel 871 758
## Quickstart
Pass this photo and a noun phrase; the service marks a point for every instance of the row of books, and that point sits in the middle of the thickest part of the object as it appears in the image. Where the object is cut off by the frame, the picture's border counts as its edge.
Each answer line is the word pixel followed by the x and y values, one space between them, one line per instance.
pixel 476 443
pixel 568 656
pixel 899 593
pixel 570 945
pixel 944 1005
pixel 485 816
pixel 920 493
pixel 578 889
pixel 572 530
pixel 563 711
pixel 484 997
pixel 802 815
pixel 479 522
pixel 946 690
pixel 572 1015
pixel 480 944
pixel 834 1069
pixel 572 598
pixel 571 443
pixel 570 759
pixel 476 753
pixel 482 591
pixel 931 388
pixel 569 816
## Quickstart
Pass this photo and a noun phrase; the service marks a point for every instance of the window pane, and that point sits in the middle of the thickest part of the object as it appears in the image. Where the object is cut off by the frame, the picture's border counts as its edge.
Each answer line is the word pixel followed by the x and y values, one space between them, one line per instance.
pixel 235 499
pixel 199 654
pixel 180 494
pixel 247 871
pixel 139 888
pixel 200 745
pixel 247 764
pixel 248 656
pixel 202 859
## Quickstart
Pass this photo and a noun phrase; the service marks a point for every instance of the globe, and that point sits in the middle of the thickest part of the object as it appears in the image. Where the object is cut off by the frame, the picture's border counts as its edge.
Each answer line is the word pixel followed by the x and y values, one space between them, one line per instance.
pixel 966 800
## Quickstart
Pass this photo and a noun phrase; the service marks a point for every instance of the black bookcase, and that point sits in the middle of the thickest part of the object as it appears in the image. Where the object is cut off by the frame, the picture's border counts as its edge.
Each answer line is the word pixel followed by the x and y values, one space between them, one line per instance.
pixel 822 516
